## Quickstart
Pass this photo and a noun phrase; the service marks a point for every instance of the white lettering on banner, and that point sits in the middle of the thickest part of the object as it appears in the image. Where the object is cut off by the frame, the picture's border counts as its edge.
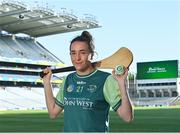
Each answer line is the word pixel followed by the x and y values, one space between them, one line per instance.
pixel 156 70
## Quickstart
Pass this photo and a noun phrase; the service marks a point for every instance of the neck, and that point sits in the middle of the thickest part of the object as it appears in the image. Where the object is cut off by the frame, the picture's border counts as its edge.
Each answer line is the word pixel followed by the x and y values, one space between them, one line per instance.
pixel 89 70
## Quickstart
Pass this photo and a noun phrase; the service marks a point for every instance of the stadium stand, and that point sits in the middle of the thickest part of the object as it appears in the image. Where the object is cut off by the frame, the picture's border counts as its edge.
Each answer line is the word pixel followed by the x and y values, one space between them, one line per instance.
pixel 153 102
pixel 157 83
pixel 21 64
pixel 22 57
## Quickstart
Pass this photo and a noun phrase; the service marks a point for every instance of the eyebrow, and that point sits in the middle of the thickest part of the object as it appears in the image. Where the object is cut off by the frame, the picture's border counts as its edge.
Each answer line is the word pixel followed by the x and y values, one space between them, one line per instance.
pixel 82 50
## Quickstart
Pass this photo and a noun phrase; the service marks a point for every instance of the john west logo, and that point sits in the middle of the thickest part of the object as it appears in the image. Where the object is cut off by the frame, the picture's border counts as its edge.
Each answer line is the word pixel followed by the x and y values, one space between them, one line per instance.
pixel 156 69
pixel 84 103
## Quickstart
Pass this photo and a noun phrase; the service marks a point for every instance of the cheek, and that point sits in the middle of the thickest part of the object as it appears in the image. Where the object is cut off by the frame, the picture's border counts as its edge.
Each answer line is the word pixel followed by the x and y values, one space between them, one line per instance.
pixel 72 59
pixel 86 58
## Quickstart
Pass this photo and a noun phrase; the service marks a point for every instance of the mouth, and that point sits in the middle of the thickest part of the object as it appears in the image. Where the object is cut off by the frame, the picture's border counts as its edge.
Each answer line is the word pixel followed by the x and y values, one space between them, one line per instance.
pixel 78 63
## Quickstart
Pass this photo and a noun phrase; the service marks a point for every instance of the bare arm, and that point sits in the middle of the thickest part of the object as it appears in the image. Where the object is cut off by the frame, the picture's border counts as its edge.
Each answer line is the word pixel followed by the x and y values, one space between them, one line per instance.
pixel 125 111
pixel 53 109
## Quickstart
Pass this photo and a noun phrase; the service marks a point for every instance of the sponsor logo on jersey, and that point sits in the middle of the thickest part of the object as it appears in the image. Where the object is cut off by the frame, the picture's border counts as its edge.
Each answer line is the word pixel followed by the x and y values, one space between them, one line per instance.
pixel 84 103
pixel 81 82
pixel 92 88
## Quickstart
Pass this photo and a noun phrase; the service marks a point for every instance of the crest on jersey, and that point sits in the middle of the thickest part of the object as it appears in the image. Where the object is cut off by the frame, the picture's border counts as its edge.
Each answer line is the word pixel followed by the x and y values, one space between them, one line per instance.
pixel 70 88
pixel 92 88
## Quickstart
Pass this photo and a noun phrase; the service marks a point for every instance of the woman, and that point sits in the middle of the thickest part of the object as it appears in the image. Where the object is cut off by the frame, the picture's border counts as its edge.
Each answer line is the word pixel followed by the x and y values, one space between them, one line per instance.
pixel 87 94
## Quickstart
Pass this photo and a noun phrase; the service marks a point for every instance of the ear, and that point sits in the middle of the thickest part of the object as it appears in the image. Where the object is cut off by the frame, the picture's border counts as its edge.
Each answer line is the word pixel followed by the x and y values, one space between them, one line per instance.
pixel 90 56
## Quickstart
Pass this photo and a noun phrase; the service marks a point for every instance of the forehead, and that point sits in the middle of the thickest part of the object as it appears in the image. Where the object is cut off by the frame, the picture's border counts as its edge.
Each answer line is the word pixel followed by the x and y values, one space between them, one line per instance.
pixel 78 45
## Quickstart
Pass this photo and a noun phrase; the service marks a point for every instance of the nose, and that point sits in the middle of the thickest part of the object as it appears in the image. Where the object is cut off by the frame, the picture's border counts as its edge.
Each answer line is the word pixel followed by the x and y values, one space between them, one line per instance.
pixel 78 57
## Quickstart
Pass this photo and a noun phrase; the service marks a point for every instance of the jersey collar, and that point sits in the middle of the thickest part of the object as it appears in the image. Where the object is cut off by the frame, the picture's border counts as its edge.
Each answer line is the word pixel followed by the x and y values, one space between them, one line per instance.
pixel 86 76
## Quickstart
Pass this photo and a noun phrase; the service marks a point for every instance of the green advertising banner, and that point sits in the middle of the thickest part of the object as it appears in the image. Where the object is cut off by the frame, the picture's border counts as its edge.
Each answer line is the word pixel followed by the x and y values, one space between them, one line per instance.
pixel 157 70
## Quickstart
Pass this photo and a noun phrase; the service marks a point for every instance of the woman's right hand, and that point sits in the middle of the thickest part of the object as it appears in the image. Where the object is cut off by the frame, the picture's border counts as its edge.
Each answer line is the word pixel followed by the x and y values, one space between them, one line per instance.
pixel 48 74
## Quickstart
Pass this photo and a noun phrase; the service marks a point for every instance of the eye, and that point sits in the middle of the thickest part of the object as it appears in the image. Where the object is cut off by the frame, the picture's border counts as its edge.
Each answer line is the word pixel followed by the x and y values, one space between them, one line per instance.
pixel 83 52
pixel 72 53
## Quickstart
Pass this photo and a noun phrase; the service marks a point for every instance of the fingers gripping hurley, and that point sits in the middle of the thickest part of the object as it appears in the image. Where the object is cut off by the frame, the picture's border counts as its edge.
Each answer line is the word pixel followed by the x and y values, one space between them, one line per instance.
pixel 122 57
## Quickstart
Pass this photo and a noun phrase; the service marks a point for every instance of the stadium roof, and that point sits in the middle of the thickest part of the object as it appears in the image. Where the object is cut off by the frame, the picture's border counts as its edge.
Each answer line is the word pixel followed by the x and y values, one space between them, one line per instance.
pixel 17 18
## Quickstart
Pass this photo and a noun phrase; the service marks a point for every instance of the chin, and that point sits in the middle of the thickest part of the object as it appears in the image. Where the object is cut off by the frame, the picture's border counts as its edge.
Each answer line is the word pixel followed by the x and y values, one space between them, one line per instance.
pixel 78 68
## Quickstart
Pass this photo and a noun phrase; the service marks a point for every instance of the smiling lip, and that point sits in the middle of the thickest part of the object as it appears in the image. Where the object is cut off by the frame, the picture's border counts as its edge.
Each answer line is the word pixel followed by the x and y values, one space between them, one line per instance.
pixel 78 63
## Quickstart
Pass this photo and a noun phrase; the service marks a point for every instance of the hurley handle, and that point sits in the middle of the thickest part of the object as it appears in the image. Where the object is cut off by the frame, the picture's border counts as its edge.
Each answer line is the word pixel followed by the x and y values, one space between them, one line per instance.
pixel 65 69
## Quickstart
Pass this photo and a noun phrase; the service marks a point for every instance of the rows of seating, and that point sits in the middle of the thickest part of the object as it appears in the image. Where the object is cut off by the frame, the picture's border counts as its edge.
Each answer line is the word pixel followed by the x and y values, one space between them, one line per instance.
pixel 13 98
pixel 20 84
pixel 155 102
pixel 16 47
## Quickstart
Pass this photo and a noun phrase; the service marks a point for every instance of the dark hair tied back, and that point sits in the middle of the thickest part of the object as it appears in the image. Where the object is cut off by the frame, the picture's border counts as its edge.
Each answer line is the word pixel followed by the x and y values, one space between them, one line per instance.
pixel 88 37
pixel 85 37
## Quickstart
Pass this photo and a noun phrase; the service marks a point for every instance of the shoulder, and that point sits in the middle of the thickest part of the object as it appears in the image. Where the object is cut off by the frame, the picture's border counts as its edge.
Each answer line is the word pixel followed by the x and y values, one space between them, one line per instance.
pixel 100 75
pixel 110 79
pixel 70 75
pixel 103 73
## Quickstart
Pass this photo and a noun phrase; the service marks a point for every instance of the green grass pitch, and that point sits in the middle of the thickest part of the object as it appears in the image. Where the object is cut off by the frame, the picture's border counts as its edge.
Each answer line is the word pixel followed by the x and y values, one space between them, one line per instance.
pixel 146 120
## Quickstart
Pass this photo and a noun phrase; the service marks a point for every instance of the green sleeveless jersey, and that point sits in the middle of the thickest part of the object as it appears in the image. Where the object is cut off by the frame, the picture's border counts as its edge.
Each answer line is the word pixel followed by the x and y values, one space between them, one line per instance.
pixel 86 101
